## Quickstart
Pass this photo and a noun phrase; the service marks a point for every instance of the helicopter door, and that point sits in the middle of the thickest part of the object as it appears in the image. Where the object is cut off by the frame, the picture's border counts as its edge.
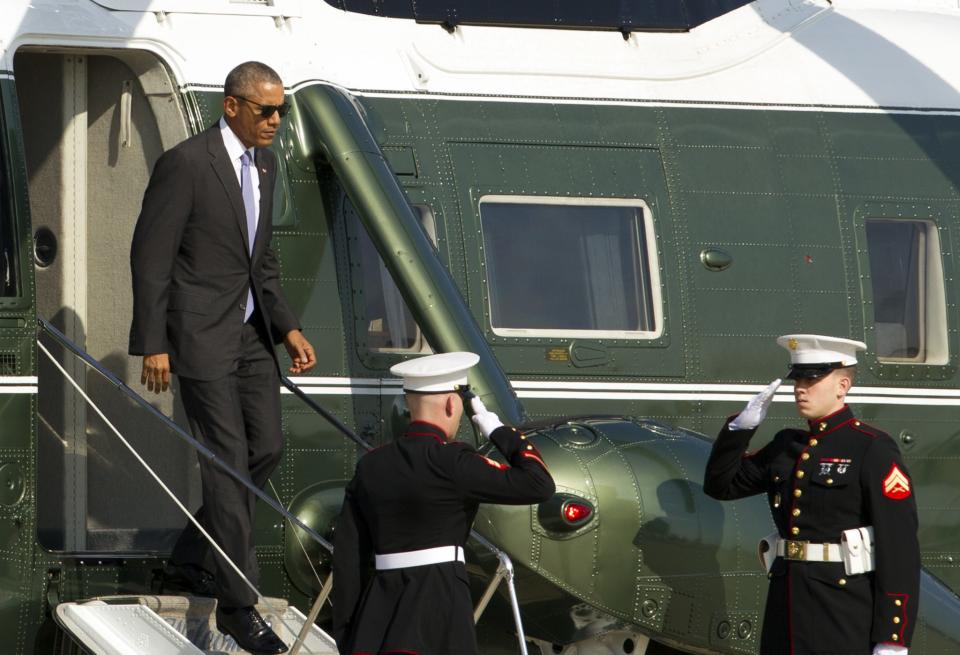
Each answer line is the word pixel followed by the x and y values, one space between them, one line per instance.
pixel 93 124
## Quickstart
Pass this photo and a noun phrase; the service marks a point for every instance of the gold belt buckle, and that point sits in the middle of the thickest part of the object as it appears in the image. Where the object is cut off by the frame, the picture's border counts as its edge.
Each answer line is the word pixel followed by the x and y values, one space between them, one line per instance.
pixel 796 550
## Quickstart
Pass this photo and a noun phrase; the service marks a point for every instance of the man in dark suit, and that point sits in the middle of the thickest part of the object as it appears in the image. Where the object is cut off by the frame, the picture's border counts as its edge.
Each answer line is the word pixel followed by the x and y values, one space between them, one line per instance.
pixel 208 307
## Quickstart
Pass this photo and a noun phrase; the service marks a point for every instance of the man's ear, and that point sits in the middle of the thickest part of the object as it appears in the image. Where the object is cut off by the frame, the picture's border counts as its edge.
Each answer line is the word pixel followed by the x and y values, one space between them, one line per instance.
pixel 230 106
pixel 449 407
pixel 844 383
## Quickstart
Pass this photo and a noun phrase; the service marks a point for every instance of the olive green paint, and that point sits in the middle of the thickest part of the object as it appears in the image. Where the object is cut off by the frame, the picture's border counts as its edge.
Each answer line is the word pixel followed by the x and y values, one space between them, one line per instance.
pixel 784 194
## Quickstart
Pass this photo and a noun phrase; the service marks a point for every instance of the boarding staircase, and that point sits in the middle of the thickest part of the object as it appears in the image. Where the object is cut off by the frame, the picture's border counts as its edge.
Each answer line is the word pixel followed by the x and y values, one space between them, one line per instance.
pixel 185 625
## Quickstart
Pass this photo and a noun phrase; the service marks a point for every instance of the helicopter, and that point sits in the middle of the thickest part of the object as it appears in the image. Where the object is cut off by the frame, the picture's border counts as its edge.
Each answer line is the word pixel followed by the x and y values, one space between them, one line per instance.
pixel 618 207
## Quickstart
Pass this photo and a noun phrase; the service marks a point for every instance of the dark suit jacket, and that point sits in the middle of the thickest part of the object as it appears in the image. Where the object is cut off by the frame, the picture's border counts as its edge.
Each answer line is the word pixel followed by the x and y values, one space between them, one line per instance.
pixel 190 262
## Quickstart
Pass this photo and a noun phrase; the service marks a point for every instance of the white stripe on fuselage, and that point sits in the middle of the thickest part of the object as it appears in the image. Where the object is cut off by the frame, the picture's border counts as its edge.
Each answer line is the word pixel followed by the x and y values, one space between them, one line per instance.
pixel 18 384
pixel 632 391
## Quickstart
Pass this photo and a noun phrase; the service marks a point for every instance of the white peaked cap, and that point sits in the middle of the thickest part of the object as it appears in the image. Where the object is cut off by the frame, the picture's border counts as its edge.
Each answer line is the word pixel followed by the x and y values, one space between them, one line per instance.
pixel 443 373
pixel 814 349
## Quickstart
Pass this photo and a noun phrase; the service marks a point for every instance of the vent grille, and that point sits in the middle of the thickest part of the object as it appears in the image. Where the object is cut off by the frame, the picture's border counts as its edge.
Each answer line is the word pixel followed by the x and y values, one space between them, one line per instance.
pixel 8 363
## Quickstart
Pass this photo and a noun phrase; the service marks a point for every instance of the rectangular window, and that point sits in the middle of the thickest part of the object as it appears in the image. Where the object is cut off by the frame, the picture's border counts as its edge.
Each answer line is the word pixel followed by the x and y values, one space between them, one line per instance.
pixel 909 309
pixel 390 325
pixel 570 267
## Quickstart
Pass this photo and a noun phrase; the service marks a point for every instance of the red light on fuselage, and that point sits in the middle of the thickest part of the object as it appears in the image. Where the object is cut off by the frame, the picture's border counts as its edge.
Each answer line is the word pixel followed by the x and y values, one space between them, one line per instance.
pixel 575 512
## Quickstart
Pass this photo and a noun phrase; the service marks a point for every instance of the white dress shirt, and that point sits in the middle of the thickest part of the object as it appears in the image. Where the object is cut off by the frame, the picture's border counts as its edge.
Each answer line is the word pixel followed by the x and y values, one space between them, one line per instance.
pixel 235 150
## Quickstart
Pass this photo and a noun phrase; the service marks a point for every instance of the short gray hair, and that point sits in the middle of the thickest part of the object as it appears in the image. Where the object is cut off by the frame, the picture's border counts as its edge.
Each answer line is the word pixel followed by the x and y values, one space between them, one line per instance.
pixel 245 78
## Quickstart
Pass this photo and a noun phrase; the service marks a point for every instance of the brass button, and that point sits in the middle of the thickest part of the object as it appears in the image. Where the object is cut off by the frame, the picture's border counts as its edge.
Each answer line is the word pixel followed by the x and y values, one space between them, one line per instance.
pixel 800 474
pixel 805 456
pixel 896 619
pixel 813 442
pixel 898 602
pixel 794 530
pixel 797 493
pixel 842 581
pixel 796 512
pixel 857 423
pixel 823 426
pixel 529 447
pixel 895 637
pixel 829 480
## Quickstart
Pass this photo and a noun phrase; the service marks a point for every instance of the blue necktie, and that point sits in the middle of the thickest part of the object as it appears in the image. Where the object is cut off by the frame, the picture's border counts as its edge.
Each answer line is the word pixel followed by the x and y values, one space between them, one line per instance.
pixel 246 188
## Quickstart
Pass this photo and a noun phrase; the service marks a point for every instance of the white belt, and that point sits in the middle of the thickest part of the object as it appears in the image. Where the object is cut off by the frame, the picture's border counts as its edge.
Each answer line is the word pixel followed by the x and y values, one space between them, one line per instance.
pixel 804 551
pixel 420 557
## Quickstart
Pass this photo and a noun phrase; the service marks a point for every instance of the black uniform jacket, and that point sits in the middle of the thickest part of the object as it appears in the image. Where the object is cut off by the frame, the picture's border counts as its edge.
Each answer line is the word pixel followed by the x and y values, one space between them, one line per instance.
pixel 414 493
pixel 839 474
pixel 191 264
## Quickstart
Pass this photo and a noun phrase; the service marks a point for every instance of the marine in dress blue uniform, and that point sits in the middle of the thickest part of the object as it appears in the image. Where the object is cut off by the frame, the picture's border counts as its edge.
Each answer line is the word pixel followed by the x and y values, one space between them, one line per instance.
pixel 823 482
pixel 400 584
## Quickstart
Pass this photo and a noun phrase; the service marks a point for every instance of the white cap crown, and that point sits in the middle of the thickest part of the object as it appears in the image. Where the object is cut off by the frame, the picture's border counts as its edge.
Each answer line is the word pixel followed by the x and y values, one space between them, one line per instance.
pixel 812 355
pixel 443 373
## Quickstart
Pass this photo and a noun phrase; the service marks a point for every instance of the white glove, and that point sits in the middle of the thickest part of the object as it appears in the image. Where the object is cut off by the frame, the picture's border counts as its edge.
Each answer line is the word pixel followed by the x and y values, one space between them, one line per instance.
pixel 756 409
pixel 485 420
pixel 889 649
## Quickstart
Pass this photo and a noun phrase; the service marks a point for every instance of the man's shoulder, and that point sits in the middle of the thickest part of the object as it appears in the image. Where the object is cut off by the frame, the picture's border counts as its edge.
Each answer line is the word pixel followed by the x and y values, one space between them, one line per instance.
pixel 867 432
pixel 196 143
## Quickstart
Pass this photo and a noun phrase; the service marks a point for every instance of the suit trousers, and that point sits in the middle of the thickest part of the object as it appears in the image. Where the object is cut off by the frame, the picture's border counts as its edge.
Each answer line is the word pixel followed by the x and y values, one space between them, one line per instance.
pixel 238 418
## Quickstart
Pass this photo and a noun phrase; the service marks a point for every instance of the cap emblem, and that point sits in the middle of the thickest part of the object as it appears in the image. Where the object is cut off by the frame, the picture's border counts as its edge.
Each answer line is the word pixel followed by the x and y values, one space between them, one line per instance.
pixel 792 344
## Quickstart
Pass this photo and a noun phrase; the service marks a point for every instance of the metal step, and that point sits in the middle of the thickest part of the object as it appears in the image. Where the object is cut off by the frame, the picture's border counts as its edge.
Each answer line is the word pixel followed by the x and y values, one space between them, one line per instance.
pixel 173 625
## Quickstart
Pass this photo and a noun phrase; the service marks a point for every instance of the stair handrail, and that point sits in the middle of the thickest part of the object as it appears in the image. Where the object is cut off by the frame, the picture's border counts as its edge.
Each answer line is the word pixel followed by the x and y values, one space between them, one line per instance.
pixel 67 343
pixel 505 567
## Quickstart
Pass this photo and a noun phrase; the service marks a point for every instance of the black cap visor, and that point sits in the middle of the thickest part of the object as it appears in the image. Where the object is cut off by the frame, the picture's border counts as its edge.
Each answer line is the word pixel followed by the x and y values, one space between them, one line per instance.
pixel 811 371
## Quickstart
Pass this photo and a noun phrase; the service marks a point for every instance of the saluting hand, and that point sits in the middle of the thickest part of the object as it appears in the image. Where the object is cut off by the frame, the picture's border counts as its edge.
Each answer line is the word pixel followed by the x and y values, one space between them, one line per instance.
pixel 756 409
pixel 300 351
pixel 485 420
pixel 156 372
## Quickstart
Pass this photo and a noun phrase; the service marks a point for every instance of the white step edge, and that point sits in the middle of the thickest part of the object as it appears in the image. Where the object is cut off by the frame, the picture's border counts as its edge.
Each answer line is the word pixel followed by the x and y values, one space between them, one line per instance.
pixel 122 630
pixel 132 628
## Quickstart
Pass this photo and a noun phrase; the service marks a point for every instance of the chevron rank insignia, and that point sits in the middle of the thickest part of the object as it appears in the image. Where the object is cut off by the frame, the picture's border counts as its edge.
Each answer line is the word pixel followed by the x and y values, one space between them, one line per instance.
pixel 896 485
pixel 494 463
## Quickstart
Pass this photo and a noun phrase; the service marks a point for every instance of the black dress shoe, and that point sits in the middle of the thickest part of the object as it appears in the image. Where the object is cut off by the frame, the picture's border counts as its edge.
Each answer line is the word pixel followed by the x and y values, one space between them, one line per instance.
pixel 190 579
pixel 249 630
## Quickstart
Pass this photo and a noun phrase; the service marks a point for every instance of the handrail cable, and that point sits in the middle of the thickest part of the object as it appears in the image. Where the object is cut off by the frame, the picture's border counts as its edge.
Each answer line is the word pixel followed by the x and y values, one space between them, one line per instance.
pixel 179 431
pixel 504 569
pixel 166 489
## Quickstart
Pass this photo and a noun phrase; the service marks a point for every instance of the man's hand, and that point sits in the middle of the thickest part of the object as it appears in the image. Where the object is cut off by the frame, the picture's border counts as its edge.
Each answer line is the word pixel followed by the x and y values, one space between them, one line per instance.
pixel 756 409
pixel 486 420
pixel 889 649
pixel 300 351
pixel 156 372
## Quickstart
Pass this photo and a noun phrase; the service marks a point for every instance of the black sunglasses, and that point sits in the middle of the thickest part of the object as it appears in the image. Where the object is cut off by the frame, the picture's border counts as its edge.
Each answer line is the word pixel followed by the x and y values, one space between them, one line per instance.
pixel 266 111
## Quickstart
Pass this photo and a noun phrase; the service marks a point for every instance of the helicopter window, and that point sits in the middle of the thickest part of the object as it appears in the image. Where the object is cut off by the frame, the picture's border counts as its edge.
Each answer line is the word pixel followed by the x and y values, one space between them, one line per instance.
pixel 665 15
pixel 562 267
pixel 908 295
pixel 390 327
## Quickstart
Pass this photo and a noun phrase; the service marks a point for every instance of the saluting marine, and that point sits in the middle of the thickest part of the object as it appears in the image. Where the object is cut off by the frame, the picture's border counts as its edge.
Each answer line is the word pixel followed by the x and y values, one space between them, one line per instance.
pixel 409 509
pixel 844 564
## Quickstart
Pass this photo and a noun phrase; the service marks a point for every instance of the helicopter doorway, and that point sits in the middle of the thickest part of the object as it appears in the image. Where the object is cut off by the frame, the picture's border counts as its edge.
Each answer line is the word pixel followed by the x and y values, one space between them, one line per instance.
pixel 93 124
